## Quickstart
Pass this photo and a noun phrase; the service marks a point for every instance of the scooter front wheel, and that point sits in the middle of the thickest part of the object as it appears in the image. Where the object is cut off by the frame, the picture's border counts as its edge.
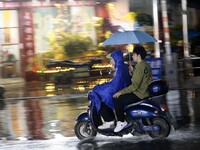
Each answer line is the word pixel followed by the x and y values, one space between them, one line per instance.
pixel 164 128
pixel 83 129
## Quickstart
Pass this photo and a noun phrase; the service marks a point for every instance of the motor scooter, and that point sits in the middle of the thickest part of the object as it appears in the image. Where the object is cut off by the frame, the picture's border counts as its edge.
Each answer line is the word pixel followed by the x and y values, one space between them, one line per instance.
pixel 150 116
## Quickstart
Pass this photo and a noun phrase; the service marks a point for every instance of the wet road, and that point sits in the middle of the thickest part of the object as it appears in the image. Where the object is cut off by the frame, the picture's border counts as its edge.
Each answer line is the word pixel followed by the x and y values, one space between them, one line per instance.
pixel 46 119
pixel 187 139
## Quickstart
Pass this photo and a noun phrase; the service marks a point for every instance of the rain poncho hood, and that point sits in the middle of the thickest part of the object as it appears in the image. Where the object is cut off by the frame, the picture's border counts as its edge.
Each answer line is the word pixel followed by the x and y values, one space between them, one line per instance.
pixel 104 92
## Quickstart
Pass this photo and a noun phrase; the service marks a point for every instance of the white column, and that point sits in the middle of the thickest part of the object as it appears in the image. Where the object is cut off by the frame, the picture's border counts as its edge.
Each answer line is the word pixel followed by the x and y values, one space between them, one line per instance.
pixel 166 31
pixel 185 28
pixel 170 65
pixel 1 61
pixel 156 28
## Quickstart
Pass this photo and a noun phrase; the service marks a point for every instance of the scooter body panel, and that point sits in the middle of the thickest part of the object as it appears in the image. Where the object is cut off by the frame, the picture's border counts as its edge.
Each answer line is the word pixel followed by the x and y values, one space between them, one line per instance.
pixel 143 111
pixel 83 117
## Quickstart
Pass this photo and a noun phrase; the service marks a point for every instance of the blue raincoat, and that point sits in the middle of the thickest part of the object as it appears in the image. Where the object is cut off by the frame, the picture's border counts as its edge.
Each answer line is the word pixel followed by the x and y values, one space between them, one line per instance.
pixel 104 92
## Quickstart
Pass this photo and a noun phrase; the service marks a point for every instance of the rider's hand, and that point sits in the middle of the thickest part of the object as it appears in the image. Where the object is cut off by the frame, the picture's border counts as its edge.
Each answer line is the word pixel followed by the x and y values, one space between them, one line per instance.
pixel 116 95
pixel 130 67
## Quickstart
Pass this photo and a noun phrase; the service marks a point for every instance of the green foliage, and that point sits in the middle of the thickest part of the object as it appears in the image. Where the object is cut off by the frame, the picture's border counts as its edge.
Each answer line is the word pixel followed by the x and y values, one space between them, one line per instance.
pixel 67 44
pixel 75 43
pixel 99 30
pixel 144 19
pixel 55 46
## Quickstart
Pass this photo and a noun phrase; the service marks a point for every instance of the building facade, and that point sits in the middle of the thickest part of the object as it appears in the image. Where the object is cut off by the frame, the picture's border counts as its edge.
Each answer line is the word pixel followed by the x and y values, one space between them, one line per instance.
pixel 25 27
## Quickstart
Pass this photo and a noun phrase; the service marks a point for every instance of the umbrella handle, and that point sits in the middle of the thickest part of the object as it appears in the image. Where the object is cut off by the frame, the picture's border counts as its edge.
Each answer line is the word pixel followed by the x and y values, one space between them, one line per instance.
pixel 129 57
pixel 129 64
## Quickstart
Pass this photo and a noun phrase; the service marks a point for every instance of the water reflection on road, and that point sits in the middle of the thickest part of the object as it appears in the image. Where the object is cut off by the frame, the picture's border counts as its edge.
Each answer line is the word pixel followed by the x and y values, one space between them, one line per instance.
pixel 183 139
pixel 184 105
pixel 39 118
pixel 51 110
pixel 41 109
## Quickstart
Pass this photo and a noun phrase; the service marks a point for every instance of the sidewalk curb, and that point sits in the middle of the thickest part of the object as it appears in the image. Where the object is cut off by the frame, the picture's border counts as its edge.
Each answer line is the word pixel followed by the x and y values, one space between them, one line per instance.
pixel 11 81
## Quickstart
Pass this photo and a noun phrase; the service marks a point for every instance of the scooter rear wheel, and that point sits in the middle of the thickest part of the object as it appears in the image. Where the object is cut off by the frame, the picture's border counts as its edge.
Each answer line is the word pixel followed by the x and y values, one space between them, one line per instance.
pixel 164 128
pixel 83 129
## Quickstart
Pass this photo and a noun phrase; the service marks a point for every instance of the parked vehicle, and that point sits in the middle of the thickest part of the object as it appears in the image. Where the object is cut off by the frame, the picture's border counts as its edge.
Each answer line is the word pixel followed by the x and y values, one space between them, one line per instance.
pixel 149 116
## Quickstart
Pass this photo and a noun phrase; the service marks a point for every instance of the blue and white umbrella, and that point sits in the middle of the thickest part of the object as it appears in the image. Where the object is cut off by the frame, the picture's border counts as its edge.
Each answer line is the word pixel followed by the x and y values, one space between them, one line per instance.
pixel 129 37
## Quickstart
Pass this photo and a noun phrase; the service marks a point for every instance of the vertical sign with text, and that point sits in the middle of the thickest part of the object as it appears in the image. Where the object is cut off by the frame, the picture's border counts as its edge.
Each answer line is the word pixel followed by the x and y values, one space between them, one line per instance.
pixel 26 38
pixel 156 66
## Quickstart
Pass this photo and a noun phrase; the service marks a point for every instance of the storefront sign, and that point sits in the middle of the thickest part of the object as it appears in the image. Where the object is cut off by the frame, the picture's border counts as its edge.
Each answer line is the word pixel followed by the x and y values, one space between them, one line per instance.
pixel 45 4
pixel 27 37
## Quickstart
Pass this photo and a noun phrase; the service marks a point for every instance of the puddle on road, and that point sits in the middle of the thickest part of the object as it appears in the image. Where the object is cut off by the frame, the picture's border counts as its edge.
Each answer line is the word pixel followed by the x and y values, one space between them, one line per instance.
pixel 178 140
pixel 186 133
pixel 42 118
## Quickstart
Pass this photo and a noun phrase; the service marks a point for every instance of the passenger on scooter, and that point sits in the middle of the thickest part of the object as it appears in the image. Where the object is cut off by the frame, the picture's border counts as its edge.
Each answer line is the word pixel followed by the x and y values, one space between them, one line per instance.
pixel 103 93
pixel 138 90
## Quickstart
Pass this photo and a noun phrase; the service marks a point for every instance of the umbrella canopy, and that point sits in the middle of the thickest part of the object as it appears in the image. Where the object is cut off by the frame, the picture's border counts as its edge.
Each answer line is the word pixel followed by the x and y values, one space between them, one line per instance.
pixel 129 37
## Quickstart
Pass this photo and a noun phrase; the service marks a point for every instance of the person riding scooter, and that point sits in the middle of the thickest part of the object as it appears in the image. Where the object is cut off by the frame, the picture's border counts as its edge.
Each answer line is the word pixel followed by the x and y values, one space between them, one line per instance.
pixel 138 90
pixel 103 93
pixel 148 116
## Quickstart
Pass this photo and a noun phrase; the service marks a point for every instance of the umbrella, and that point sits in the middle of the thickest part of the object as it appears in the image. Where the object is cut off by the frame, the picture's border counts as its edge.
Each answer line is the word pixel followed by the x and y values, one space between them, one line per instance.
pixel 129 37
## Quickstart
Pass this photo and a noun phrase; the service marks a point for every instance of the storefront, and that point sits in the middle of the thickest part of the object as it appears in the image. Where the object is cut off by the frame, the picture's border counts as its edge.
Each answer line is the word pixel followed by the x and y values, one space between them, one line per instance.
pixel 25 28
pixel 9 41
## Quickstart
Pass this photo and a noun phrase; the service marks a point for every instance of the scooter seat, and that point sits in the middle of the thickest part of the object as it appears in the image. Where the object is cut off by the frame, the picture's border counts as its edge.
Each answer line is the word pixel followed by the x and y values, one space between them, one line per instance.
pixel 133 104
pixel 137 103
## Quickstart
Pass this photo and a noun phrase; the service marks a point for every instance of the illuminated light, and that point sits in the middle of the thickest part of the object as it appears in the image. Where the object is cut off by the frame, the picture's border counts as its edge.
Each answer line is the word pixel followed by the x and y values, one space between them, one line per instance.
pixel 102 81
pixel 50 84
pixel 164 107
pixel 80 88
pixel 49 71
pixel 50 94
pixel 50 87
pixel 130 48
pixel 58 5
pixel 101 66
pixel 96 18
pixel 50 90
pixel 55 71
pixel 91 86
pixel 156 112
pixel 59 89
pixel 110 6
pixel 22 138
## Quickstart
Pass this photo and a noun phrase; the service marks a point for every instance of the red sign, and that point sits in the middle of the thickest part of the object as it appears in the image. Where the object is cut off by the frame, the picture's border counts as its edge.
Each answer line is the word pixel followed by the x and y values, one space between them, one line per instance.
pixel 26 37
pixel 45 4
